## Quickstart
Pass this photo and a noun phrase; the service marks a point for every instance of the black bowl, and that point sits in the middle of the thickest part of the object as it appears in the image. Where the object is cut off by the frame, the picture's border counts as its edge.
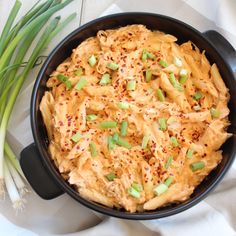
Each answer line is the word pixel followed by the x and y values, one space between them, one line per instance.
pixel 35 159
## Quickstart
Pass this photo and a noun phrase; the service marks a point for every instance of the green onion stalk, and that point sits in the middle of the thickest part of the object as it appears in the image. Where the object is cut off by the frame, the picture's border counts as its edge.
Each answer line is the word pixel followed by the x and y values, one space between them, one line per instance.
pixel 15 41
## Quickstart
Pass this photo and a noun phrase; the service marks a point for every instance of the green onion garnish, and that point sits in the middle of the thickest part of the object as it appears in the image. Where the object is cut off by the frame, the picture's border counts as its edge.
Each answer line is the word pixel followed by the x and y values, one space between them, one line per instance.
pixel 133 192
pixel 177 61
pixel 197 165
pixel 105 79
pixel 162 123
pixel 115 137
pixel 150 55
pixel 79 72
pixel 175 83
pixel 123 130
pixel 174 141
pixel 108 124
pixel 197 95
pixel 111 176
pixel 148 75
pixel 160 95
pixel 138 187
pixel 183 76
pixel 123 105
pixel 65 80
pixel 215 113
pixel 146 55
pixel 163 63
pixel 76 137
pixel 196 107
pixel 110 143
pixel 91 117
pixel 131 85
pixel 168 181
pixel 169 161
pixel 160 189
pixel 93 149
pixel 112 66
pixel 145 141
pixel 92 61
pixel 81 83
pixel 123 143
pixel 190 153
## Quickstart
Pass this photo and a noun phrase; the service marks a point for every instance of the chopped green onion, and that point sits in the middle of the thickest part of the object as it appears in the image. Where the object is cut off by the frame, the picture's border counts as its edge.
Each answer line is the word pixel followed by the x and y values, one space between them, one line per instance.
pixel 105 79
pixel 175 83
pixel 123 143
pixel 112 66
pixel 196 107
pixel 115 137
pixel 92 61
pixel 110 143
pixel 76 137
pixel 215 113
pixel 62 78
pixel 148 75
pixel 131 85
pixel 150 55
pixel 177 61
pixel 111 176
pixel 79 72
pixel 197 95
pixel 81 83
pixel 174 141
pixel 93 149
pixel 163 63
pixel 123 130
pixel 162 123
pixel 197 165
pixel 108 124
pixel 190 153
pixel 138 187
pixel 160 95
pixel 91 117
pixel 169 161
pixel 68 85
pixel 145 141
pixel 146 55
pixel 183 72
pixel 160 189
pixel 133 192
pixel 168 181
pixel 123 105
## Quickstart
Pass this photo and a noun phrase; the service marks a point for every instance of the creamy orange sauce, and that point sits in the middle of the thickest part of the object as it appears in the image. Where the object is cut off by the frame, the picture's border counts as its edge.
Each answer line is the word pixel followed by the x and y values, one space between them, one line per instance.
pixel 196 122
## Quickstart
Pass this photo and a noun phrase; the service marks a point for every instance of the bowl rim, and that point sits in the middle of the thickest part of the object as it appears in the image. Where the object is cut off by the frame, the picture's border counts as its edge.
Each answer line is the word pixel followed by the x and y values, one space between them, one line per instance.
pixel 146 215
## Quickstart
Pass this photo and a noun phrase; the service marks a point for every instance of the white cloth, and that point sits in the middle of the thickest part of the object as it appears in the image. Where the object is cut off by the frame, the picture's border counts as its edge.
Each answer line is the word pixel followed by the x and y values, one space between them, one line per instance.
pixel 216 215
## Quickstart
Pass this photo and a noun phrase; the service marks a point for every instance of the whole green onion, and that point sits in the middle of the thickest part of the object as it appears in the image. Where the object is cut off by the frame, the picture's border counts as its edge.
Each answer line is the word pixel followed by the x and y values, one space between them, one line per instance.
pixel 92 61
pixel 123 130
pixel 81 83
pixel 131 85
pixel 112 66
pixel 197 165
pixel 160 95
pixel 105 79
pixel 108 124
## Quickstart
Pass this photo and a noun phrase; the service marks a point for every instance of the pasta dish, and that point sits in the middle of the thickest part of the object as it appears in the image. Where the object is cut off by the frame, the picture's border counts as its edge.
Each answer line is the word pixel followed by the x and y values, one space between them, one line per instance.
pixel 135 120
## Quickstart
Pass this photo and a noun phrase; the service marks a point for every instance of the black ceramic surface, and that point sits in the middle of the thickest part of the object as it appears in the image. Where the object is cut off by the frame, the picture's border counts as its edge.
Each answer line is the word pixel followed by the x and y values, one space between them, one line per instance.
pixel 35 160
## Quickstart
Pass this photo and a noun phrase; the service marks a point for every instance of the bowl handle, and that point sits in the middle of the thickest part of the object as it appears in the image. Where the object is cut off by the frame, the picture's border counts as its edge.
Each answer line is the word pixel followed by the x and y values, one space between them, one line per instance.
pixel 223 47
pixel 37 175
